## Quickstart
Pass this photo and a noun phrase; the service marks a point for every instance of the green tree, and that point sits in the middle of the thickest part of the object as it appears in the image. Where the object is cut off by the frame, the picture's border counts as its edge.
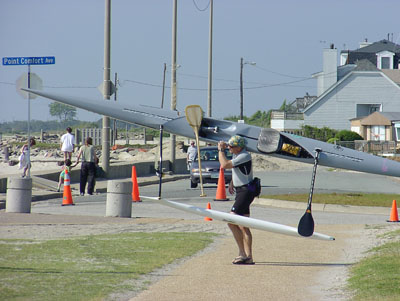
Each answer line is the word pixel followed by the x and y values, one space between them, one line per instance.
pixel 284 106
pixel 323 134
pixel 346 135
pixel 62 111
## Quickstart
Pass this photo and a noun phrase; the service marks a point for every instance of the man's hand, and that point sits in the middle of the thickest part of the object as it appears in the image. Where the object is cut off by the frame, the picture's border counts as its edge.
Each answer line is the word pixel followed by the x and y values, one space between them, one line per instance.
pixel 231 189
pixel 222 145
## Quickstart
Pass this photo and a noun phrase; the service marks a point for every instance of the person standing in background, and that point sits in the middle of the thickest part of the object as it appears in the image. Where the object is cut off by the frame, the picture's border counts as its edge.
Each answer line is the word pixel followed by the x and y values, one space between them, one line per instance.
pixel 191 154
pixel 25 158
pixel 67 144
pixel 88 166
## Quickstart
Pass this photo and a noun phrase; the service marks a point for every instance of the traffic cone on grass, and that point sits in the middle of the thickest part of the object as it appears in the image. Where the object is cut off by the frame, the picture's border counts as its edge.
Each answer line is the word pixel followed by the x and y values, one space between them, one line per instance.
pixel 221 191
pixel 67 196
pixel 135 187
pixel 207 219
pixel 394 217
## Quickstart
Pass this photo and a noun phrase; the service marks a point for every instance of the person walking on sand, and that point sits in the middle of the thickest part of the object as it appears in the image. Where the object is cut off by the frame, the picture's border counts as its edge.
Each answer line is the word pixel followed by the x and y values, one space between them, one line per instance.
pixel 67 144
pixel 88 167
pixel 242 175
pixel 25 158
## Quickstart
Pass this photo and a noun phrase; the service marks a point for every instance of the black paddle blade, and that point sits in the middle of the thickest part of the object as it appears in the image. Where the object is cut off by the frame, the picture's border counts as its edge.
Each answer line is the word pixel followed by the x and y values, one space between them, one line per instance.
pixel 306 224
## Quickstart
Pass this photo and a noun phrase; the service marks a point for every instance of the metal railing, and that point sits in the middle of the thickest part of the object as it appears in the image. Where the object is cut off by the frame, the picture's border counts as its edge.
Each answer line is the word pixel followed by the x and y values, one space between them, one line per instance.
pixel 368 146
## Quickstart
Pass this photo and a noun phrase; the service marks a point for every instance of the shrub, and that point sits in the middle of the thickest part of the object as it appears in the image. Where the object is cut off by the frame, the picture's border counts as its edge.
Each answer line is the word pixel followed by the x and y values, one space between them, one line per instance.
pixel 346 135
pixel 332 140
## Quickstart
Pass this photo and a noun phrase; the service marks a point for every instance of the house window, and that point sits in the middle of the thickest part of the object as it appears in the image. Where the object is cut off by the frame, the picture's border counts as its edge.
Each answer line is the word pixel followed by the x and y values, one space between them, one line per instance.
pixel 374 108
pixel 397 131
pixel 378 133
pixel 384 60
pixel 367 109
pixel 385 63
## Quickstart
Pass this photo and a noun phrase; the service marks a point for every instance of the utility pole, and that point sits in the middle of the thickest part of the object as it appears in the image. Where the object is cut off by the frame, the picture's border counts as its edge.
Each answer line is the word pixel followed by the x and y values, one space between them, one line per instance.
pixel 209 108
pixel 241 85
pixel 105 157
pixel 163 86
pixel 241 88
pixel 173 75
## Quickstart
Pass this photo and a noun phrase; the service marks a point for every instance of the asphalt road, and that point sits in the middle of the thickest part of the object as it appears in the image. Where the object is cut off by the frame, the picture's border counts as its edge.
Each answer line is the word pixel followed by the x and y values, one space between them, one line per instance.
pixel 273 183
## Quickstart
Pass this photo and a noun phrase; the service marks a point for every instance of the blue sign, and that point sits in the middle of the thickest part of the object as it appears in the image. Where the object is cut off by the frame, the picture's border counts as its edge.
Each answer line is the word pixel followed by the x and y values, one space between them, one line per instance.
pixel 32 60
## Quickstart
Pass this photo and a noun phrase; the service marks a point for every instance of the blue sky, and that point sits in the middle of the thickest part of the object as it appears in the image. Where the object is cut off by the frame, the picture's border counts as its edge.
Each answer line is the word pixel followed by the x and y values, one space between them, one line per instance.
pixel 285 39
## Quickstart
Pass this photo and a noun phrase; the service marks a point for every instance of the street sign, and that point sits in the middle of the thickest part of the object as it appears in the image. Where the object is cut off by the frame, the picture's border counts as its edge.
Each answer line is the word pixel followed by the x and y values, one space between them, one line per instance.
pixel 35 82
pixel 31 60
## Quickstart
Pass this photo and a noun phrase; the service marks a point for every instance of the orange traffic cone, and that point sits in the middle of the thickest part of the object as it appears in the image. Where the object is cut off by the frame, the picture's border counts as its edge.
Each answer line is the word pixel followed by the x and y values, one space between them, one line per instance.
pixel 221 191
pixel 394 217
pixel 207 219
pixel 67 196
pixel 135 187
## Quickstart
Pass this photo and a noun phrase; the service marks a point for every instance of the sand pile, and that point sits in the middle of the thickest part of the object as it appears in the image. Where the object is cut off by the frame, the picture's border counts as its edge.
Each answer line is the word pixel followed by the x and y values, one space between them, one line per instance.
pixel 50 159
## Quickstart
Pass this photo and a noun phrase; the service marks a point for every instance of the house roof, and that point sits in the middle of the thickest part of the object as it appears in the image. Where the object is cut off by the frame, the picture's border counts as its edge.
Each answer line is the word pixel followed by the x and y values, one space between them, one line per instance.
pixel 369 52
pixel 393 74
pixel 365 65
pixel 392 116
pixel 381 118
pixel 375 118
pixel 378 47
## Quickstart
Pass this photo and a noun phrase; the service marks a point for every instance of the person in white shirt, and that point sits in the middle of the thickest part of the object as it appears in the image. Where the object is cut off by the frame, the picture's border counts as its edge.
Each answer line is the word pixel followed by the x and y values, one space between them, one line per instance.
pixel 191 154
pixel 67 144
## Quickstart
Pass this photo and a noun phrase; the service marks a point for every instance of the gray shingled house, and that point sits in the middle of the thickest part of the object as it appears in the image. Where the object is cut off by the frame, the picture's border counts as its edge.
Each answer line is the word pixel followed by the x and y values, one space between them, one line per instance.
pixel 369 81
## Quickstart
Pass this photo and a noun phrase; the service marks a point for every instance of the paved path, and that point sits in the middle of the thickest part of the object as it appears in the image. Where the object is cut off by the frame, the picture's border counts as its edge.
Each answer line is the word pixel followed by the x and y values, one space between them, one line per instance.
pixel 286 268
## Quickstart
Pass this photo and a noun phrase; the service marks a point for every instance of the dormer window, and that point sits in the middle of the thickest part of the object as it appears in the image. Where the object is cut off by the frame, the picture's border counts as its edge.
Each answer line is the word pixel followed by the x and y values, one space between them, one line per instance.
pixel 384 60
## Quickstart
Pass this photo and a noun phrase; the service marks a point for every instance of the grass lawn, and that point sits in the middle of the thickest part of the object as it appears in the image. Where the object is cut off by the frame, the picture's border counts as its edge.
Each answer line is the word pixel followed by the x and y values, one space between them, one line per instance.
pixel 354 199
pixel 377 277
pixel 88 267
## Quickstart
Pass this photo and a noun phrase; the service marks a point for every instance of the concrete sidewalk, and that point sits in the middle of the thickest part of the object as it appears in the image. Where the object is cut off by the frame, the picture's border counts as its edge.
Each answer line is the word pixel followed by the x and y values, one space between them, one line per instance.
pixel 44 189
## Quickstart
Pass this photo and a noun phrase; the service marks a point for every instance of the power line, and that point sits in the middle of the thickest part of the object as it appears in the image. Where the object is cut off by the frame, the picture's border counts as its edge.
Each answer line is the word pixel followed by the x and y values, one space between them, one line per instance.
pixel 277 73
pixel 199 9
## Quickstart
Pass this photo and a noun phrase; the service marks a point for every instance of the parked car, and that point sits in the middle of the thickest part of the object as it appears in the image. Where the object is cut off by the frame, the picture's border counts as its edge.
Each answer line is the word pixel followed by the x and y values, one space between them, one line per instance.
pixel 209 167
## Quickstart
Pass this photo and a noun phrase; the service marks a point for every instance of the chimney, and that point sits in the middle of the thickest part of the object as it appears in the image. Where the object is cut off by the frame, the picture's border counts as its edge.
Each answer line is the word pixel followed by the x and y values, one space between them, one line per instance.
pixel 329 69
pixel 365 43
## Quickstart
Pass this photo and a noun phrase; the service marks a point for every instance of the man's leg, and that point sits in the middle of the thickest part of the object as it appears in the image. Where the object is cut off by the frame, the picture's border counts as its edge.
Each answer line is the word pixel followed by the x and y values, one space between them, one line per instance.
pixel 91 171
pixel 238 235
pixel 83 179
pixel 247 241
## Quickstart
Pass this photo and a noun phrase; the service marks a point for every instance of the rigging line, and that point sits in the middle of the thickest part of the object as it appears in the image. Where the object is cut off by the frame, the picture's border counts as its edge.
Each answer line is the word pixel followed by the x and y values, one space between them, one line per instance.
pixel 199 9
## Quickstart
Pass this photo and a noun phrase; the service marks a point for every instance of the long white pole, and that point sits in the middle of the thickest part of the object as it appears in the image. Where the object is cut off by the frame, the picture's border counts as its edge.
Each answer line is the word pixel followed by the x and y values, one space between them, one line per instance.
pixel 237 219
pixel 173 76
